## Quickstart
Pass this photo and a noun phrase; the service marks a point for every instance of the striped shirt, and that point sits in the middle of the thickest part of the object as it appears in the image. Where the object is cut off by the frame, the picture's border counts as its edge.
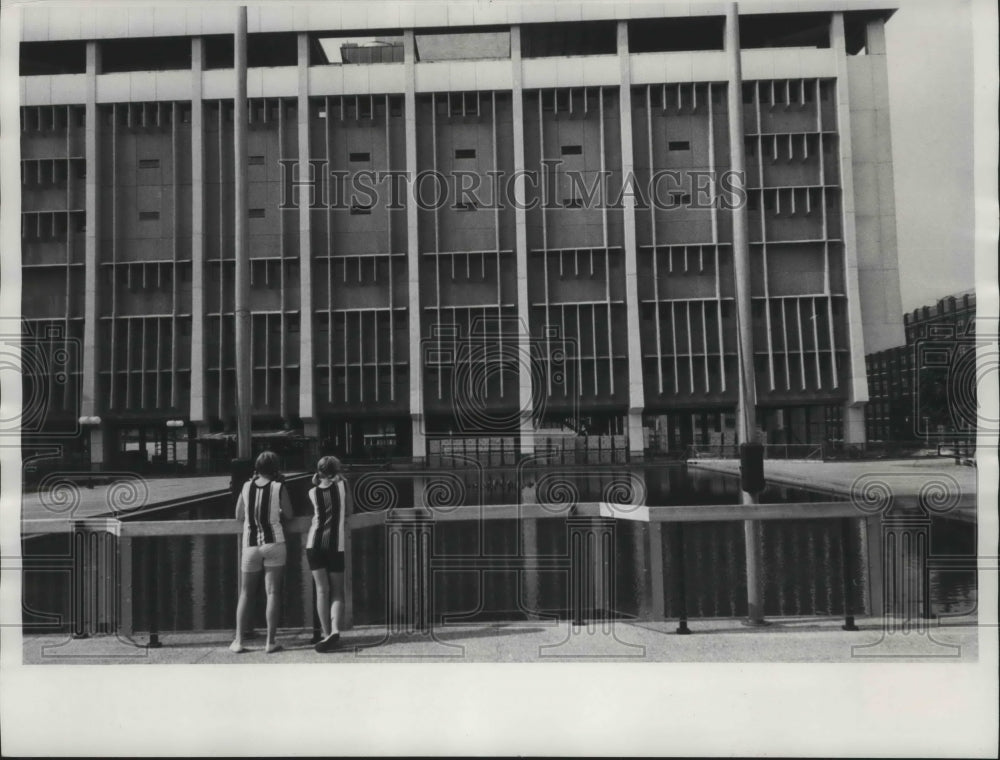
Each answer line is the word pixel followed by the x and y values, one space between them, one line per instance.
pixel 262 512
pixel 327 529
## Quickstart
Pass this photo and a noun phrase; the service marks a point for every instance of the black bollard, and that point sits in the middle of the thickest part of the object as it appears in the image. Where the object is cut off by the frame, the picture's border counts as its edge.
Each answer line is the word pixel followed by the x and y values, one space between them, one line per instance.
pixel 847 551
pixel 80 591
pixel 152 606
pixel 682 625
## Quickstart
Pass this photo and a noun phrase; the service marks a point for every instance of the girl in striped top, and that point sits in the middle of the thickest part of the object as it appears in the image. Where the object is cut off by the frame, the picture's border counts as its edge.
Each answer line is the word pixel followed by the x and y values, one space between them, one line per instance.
pixel 262 506
pixel 325 547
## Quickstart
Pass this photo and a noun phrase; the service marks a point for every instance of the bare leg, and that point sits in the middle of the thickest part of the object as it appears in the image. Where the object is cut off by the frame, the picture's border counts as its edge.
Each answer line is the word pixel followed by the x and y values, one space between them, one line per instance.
pixel 337 601
pixel 272 585
pixel 248 585
pixel 322 600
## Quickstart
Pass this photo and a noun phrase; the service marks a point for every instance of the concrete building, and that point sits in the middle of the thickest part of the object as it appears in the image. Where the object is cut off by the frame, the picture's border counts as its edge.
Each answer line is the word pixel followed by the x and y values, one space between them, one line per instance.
pixel 520 319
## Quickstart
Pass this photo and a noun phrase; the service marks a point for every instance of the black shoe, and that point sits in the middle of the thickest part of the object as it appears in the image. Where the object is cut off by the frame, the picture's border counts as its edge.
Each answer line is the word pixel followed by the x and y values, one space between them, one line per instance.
pixel 328 644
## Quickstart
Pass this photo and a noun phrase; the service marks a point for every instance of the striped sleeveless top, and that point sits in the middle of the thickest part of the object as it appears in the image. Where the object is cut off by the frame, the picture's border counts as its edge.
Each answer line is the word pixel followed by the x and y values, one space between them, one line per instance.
pixel 327 529
pixel 262 513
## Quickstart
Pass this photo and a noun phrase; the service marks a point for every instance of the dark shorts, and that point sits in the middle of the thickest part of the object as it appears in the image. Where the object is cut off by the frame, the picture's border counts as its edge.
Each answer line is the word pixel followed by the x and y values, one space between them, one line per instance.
pixel 325 559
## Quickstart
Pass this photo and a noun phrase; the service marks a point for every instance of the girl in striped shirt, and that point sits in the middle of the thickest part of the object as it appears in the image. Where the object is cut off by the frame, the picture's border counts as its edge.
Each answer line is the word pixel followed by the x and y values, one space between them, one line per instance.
pixel 262 506
pixel 325 547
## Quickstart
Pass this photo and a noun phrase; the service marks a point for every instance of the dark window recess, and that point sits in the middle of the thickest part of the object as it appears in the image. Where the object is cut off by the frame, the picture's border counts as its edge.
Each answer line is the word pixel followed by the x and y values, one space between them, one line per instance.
pixel 357 157
pixel 255 160
pixel 361 209
pixel 145 54
pixel 148 216
pixel 774 30
pixel 748 93
pixel 678 145
pixel 46 58
pixel 572 150
pixel 465 153
pixel 272 49
pixel 149 163
pixel 569 38
pixel 256 213
pixel 676 34
pixel 218 51
pixel 264 49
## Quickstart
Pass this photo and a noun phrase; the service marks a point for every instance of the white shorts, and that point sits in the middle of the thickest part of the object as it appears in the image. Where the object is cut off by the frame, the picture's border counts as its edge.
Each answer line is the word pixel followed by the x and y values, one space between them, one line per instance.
pixel 256 558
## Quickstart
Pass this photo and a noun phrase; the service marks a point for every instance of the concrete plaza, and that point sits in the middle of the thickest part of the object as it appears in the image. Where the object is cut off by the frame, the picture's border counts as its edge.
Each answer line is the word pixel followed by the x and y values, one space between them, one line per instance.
pixel 799 639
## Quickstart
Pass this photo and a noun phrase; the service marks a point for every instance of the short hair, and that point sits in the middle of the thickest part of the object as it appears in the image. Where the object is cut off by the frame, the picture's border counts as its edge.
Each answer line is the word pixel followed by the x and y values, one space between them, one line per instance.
pixel 267 464
pixel 326 467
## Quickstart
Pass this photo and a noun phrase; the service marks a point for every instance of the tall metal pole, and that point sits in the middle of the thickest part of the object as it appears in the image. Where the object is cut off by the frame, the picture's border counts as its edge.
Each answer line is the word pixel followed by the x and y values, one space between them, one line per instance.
pixel 242 305
pixel 747 404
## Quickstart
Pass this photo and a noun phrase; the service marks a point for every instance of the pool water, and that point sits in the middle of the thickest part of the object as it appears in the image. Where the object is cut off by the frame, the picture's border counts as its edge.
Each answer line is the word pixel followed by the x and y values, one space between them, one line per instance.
pixel 507 569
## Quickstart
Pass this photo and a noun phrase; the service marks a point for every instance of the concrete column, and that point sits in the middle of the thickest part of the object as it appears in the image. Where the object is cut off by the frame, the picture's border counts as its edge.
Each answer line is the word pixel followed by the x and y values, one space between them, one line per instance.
pixel 91 360
pixel 413 251
pixel 527 432
pixel 307 411
pixel 98 453
pixel 857 390
pixel 854 423
pixel 636 394
pixel 197 398
pixel 91 357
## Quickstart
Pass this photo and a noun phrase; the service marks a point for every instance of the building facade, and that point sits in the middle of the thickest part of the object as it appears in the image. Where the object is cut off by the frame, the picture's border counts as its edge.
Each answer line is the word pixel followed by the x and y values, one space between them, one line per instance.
pixel 925 390
pixel 584 289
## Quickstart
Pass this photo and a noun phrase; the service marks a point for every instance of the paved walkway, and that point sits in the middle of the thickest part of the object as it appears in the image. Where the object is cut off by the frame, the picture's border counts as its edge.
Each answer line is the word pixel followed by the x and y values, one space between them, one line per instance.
pixel 716 640
pixel 52 509
pixel 904 476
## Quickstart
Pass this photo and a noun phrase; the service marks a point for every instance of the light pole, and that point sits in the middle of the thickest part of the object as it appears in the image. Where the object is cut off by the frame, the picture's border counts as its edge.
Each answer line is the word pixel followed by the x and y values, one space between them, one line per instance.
pixel 242 273
pixel 751 451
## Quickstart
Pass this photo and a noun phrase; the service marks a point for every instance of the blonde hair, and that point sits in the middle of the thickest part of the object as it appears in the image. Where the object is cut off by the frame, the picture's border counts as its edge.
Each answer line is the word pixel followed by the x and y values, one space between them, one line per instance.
pixel 326 467
pixel 267 465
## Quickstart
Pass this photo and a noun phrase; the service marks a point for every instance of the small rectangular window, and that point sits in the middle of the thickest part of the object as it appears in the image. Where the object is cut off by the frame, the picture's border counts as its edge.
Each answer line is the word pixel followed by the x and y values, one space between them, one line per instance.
pixel 256 213
pixel 149 216
pixel 359 157
pixel 678 145
pixel 255 160
pixel 572 150
pixel 465 153
pixel 149 163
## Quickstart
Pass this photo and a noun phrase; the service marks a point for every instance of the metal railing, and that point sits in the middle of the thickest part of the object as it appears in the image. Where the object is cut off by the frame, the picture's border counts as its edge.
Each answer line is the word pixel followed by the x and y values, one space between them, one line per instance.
pixel 104 599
